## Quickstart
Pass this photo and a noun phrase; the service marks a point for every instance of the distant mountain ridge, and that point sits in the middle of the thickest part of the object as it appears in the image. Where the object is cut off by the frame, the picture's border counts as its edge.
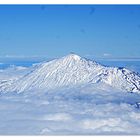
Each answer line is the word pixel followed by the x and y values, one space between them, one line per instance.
pixel 72 70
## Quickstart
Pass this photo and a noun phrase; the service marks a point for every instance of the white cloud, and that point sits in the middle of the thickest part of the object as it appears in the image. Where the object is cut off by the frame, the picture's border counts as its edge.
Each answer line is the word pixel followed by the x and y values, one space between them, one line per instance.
pixel 57 117
pixel 106 54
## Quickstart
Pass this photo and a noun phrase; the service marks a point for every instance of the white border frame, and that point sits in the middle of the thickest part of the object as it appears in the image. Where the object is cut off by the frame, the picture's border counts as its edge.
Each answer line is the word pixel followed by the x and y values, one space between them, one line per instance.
pixel 69 1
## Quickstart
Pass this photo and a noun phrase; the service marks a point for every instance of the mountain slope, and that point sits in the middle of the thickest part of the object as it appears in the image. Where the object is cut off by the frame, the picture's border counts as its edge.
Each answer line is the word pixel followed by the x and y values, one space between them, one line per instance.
pixel 72 70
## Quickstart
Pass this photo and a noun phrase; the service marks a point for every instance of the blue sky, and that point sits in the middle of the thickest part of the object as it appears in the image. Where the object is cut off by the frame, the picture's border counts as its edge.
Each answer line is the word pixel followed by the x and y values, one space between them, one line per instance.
pixel 57 30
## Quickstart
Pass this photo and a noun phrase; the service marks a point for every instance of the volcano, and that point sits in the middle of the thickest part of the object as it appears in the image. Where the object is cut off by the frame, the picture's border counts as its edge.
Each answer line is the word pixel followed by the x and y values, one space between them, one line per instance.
pixel 70 71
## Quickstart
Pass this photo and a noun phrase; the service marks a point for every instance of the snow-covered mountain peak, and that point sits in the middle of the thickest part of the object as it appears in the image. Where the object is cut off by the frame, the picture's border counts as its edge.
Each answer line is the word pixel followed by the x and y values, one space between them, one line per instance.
pixel 73 70
pixel 71 57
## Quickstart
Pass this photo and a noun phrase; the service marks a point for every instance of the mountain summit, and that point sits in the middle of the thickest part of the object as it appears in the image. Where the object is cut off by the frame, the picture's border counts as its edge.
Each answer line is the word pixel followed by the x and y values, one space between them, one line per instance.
pixel 72 56
pixel 73 70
